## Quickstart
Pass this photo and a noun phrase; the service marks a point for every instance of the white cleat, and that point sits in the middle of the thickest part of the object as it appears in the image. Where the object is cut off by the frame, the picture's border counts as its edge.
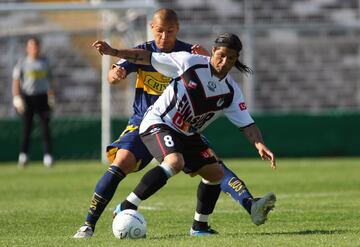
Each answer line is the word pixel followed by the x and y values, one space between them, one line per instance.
pixel 261 207
pixel 84 232
pixel 23 160
pixel 48 160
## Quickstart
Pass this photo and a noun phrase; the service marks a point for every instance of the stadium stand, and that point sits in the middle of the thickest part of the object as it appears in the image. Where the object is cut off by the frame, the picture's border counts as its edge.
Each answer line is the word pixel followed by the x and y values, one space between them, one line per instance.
pixel 306 53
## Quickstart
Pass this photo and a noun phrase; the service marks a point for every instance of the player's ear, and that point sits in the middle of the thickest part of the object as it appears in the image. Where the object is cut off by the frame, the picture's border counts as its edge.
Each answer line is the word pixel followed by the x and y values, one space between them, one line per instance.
pixel 213 49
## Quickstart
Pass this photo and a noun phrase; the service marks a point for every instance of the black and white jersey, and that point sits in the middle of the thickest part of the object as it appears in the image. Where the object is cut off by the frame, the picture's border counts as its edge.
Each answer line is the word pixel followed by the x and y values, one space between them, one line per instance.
pixel 195 97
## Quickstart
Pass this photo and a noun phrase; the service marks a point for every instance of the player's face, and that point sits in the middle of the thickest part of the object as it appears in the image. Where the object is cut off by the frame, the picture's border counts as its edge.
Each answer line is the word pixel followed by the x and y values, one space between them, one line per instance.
pixel 164 34
pixel 32 49
pixel 222 60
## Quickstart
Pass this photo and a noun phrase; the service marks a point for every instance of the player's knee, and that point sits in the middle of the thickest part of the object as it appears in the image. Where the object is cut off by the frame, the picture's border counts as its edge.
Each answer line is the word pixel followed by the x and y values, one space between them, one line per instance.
pixel 175 161
pixel 212 173
pixel 217 176
pixel 125 160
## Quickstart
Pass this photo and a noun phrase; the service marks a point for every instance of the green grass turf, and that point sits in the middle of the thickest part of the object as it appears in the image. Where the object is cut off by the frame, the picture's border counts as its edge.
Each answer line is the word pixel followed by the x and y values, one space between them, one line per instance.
pixel 318 205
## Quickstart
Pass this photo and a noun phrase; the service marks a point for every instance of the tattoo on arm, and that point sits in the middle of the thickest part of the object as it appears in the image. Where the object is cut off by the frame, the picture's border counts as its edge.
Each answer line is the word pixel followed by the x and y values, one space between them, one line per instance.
pixel 135 58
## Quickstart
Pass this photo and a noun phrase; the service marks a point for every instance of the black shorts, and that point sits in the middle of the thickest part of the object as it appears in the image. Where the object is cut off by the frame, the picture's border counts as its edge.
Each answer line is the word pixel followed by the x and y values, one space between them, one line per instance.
pixel 161 140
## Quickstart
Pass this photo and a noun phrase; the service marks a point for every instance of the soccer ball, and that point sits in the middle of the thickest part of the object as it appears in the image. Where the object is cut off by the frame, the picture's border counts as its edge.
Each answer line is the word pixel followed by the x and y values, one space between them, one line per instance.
pixel 129 224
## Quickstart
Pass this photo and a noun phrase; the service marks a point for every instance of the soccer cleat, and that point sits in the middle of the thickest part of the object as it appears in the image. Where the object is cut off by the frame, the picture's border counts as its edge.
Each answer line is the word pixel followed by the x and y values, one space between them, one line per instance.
pixel 261 207
pixel 48 160
pixel 23 160
pixel 84 232
pixel 117 210
pixel 204 232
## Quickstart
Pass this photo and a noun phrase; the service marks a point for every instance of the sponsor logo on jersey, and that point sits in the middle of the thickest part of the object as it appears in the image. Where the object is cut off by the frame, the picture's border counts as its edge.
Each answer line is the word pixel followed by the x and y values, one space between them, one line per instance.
pixel 242 106
pixel 155 85
pixel 37 74
pixel 184 118
pixel 211 86
pixel 220 102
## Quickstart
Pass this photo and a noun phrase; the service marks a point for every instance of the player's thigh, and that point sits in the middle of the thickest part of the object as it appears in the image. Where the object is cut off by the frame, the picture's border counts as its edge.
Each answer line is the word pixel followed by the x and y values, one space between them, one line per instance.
pixel 161 141
pixel 196 153
pixel 125 160
pixel 128 151
pixel 206 141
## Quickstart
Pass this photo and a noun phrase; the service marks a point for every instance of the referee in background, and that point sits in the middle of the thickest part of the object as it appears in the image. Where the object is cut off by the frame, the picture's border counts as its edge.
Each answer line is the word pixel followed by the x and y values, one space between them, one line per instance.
pixel 32 94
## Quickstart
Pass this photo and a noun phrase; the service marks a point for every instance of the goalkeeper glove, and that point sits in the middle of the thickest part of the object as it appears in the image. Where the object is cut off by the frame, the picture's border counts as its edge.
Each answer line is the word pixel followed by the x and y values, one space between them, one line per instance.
pixel 18 103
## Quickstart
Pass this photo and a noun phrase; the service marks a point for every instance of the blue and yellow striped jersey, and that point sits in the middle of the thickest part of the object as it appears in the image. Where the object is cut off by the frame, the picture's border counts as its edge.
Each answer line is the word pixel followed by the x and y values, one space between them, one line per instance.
pixel 150 84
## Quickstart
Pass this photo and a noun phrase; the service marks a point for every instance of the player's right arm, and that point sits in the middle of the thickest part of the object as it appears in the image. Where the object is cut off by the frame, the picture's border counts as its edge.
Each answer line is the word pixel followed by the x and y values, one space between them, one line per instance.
pixel 137 56
pixel 18 101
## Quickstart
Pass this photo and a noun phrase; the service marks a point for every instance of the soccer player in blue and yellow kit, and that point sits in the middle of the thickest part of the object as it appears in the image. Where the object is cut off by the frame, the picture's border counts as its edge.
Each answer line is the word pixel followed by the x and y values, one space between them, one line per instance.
pixel 128 154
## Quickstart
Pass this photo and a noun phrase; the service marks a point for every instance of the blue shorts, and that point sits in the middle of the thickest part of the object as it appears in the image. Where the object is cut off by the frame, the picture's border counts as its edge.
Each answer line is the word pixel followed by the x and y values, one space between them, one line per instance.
pixel 130 140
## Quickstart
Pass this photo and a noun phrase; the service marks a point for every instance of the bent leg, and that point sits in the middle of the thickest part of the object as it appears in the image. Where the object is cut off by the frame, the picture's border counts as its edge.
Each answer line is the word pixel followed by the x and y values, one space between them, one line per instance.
pixel 105 189
pixel 154 180
pixel 236 188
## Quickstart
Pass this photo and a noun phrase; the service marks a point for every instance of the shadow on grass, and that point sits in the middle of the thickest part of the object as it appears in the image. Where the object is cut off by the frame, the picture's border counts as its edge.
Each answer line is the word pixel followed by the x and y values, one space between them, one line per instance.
pixel 170 236
pixel 304 232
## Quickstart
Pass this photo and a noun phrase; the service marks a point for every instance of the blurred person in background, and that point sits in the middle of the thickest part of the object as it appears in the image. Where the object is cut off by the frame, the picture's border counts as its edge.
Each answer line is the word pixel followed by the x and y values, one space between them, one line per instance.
pixel 128 154
pixel 33 94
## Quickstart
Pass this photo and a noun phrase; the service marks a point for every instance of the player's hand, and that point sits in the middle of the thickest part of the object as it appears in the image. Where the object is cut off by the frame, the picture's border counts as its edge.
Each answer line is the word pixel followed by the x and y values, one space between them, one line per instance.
pixel 19 104
pixel 198 49
pixel 103 48
pixel 117 73
pixel 51 101
pixel 266 154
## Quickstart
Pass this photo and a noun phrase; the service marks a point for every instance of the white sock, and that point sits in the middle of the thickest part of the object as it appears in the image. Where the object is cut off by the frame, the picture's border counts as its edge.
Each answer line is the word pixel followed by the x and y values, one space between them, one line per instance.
pixel 201 217
pixel 210 183
pixel 134 199
pixel 167 169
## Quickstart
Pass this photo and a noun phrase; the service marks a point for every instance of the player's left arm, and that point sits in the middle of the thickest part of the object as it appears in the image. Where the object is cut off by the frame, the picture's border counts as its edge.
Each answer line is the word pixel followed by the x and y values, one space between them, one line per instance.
pixel 50 91
pixel 238 114
pixel 253 134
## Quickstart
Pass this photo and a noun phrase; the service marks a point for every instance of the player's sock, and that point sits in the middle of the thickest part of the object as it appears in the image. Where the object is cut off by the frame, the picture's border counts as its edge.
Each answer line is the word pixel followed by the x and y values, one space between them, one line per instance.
pixel 200 222
pixel 207 195
pixel 104 191
pixel 131 202
pixel 236 188
pixel 151 182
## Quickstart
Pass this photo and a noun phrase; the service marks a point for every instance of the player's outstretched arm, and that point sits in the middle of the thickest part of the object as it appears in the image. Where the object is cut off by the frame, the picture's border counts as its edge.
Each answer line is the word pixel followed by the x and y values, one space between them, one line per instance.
pixel 137 56
pixel 253 134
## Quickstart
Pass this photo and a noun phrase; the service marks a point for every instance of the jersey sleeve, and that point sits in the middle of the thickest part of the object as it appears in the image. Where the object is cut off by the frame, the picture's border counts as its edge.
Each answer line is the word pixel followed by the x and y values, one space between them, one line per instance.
pixel 171 64
pixel 237 112
pixel 16 75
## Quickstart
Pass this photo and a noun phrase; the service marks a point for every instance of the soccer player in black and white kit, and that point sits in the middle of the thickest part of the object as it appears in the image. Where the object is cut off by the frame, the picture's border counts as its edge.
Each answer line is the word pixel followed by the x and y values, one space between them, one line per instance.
pixel 201 90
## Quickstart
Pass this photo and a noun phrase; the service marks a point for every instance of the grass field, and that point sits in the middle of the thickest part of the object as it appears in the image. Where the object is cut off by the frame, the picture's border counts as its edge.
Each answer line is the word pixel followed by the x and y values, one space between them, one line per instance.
pixel 318 205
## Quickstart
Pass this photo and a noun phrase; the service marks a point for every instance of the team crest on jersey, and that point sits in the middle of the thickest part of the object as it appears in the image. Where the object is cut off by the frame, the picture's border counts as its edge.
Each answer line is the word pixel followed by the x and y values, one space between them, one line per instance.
pixel 155 84
pixel 211 86
pixel 220 102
